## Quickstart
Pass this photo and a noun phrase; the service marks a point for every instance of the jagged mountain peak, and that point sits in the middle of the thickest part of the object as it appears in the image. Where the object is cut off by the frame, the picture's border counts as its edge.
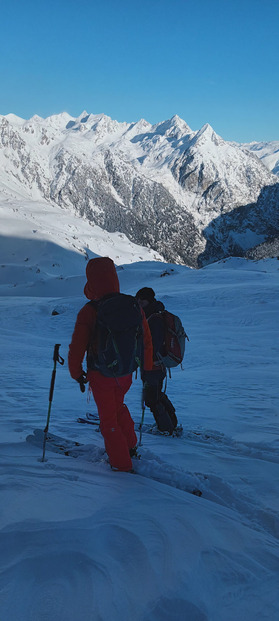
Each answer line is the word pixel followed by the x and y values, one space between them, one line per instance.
pixel 36 119
pixel 175 128
pixel 207 135
pixel 84 117
pixel 61 116
pixel 13 119
pixel 96 126
pixel 138 127
pixel 179 123
pixel 57 122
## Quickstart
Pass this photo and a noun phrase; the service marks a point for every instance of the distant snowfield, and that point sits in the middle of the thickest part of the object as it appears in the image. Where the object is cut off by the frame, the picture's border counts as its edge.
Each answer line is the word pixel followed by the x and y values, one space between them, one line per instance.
pixel 79 542
pixel 52 246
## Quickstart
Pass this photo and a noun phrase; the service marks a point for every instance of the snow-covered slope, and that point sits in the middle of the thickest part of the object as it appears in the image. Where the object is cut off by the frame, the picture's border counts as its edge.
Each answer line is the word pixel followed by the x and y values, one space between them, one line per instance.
pixel 43 247
pixel 79 542
pixel 189 195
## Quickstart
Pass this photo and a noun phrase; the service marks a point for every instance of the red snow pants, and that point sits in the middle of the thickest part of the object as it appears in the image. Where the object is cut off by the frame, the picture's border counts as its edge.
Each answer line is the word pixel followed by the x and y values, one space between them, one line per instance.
pixel 116 424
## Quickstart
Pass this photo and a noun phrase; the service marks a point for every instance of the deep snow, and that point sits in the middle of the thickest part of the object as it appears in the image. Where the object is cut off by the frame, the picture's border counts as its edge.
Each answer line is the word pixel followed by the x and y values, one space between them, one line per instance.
pixel 81 543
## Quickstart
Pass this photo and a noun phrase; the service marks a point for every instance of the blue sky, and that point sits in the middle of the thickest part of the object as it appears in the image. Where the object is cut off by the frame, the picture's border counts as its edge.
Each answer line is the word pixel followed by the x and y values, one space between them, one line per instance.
pixel 209 61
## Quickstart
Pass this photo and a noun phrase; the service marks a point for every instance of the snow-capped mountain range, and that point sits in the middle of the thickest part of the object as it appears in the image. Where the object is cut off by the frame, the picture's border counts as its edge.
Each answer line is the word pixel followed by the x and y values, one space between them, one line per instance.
pixel 188 195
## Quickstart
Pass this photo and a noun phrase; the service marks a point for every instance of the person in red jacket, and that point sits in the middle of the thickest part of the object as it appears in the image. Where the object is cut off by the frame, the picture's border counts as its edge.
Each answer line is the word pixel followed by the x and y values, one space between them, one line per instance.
pixel 116 424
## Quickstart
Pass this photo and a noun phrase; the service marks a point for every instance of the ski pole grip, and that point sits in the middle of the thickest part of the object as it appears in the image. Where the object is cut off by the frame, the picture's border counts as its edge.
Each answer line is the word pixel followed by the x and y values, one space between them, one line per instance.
pixel 56 355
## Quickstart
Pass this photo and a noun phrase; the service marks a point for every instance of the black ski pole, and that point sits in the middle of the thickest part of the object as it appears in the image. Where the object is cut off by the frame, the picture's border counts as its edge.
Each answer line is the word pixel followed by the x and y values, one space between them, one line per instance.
pixel 60 360
pixel 142 416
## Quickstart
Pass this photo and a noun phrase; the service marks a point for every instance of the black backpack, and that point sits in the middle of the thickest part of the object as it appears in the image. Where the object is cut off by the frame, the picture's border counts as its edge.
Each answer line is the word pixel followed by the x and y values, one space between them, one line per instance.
pixel 118 336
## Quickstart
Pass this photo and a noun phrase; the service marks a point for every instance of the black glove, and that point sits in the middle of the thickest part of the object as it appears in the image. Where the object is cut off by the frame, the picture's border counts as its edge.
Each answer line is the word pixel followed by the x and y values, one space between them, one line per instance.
pixel 82 381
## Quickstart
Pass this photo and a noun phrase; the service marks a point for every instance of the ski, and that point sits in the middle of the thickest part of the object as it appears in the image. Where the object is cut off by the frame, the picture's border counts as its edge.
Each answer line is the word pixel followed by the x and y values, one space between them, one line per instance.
pixel 66 447
pixel 83 420
pixel 89 452
pixel 93 419
pixel 153 429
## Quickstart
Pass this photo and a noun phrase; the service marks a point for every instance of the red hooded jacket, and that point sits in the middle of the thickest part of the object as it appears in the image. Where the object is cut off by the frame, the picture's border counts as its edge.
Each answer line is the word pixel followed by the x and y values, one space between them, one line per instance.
pixel 102 279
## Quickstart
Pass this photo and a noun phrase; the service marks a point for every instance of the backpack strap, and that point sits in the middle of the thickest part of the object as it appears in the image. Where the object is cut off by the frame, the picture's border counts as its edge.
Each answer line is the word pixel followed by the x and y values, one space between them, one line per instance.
pixel 159 362
pixel 91 351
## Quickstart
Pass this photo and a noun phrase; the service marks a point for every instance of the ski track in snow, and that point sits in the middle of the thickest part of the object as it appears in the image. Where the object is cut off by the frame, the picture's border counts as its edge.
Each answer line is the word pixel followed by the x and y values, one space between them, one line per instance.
pixel 213 488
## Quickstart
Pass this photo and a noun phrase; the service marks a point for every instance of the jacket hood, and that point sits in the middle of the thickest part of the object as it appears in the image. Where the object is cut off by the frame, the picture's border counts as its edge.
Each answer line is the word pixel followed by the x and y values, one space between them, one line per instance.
pixel 101 278
pixel 154 307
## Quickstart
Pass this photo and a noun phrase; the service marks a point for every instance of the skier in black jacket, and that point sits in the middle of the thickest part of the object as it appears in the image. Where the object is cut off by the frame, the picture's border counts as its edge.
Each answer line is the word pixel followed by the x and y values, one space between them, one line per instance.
pixel 158 402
